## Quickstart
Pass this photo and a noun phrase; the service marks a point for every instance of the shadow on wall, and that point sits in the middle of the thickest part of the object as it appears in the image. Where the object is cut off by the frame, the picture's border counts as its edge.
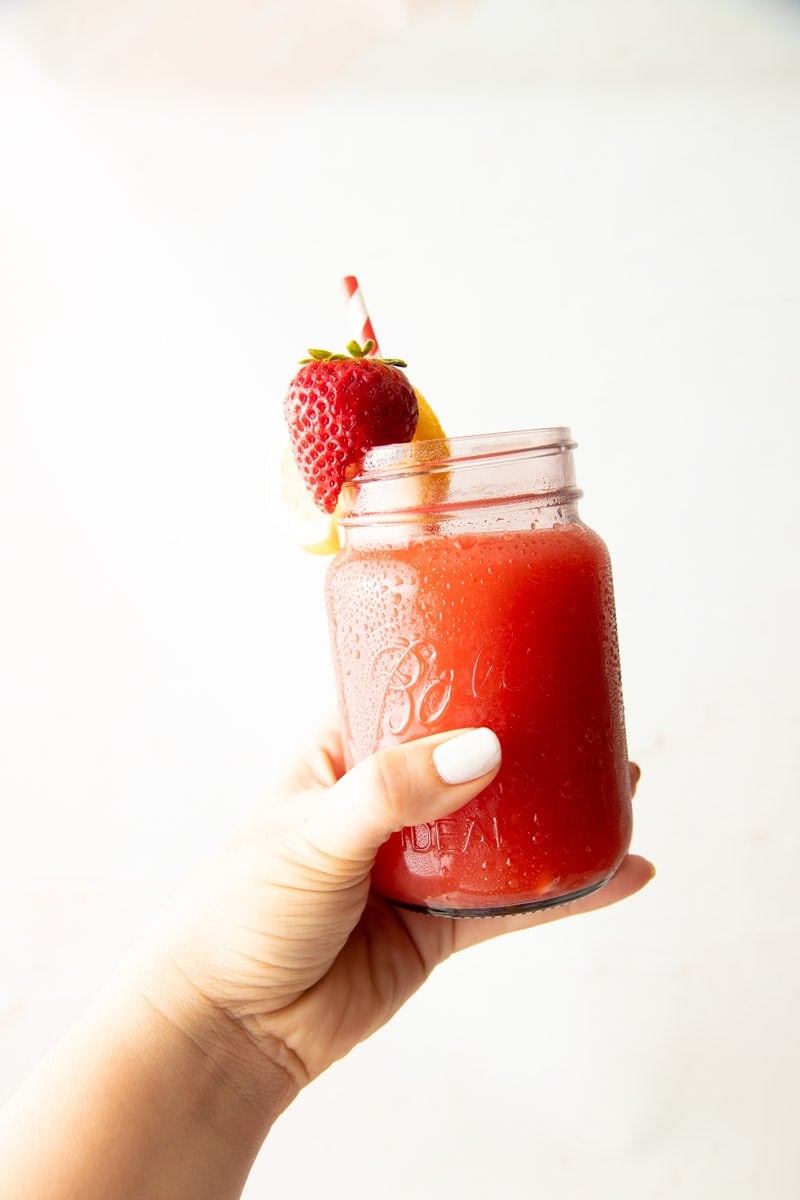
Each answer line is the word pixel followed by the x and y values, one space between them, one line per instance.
pixel 263 48
pixel 260 47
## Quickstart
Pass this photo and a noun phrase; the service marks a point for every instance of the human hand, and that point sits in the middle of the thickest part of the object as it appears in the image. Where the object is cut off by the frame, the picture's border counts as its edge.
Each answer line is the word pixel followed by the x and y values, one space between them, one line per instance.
pixel 274 960
pixel 281 940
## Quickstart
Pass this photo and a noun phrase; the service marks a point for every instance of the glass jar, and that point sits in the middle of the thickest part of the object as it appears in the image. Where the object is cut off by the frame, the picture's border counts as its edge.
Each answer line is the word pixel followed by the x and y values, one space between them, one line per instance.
pixel 468 592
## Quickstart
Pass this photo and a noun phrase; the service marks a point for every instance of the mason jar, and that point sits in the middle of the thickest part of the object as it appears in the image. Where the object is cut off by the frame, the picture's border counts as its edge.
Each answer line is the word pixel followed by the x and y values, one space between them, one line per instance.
pixel 468 592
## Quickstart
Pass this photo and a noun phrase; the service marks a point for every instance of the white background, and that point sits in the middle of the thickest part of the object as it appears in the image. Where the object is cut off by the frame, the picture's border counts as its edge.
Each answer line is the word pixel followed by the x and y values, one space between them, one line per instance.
pixel 584 213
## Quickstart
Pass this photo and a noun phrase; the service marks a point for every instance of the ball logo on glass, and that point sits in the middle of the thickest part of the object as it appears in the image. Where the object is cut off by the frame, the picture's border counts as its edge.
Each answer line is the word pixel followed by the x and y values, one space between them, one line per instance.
pixel 417 691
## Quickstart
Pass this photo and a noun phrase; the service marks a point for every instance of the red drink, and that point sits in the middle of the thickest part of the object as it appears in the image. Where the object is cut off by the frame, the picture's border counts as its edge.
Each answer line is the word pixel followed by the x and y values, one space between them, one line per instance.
pixel 449 613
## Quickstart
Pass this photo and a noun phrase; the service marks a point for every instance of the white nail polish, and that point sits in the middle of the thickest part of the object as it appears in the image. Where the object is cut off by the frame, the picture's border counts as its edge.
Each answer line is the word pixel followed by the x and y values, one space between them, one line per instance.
pixel 467 757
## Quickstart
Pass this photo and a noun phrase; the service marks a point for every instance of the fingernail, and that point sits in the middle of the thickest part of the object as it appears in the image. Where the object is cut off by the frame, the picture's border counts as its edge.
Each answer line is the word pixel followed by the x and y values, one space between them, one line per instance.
pixel 467 756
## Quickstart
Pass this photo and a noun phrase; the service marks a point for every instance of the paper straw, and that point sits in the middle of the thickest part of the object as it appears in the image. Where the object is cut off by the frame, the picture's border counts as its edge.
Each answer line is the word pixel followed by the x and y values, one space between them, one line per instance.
pixel 360 322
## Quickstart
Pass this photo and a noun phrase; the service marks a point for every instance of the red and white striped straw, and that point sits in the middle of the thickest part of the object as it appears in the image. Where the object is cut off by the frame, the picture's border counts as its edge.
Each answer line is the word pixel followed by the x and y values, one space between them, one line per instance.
pixel 360 322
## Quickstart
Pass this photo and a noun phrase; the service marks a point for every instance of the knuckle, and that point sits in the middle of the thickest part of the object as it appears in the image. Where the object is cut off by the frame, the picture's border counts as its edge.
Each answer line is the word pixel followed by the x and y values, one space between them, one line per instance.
pixel 392 786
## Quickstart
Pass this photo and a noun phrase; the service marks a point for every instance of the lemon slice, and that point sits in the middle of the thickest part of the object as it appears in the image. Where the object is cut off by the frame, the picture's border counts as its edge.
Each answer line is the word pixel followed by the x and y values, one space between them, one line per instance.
pixel 428 424
pixel 434 487
pixel 316 531
pixel 308 527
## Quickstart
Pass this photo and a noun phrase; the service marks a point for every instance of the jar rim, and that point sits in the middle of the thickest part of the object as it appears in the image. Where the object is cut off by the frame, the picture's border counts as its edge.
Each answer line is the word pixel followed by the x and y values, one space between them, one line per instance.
pixel 441 452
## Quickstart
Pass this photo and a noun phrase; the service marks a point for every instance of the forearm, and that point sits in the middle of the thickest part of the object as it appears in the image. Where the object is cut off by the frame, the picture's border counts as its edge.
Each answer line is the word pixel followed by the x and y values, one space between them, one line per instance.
pixel 135 1105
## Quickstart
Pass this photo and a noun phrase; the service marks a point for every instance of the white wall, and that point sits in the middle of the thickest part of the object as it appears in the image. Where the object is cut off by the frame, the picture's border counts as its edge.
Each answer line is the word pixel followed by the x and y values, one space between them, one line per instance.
pixel 583 213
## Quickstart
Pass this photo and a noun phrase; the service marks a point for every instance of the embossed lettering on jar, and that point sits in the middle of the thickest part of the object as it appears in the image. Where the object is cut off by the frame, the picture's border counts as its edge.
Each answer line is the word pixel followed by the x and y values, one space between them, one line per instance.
pixel 469 592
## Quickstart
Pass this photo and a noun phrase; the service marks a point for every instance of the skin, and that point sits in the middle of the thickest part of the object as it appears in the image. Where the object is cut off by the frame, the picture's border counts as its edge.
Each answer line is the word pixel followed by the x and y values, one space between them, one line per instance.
pixel 273 960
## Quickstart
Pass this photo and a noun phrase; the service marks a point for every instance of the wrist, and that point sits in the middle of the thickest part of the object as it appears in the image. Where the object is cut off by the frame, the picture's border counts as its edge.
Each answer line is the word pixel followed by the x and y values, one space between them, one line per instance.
pixel 150 1094
pixel 240 1083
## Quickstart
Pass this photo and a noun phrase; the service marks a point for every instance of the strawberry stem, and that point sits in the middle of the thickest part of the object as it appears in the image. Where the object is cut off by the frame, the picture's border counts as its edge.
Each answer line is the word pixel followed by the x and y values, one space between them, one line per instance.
pixel 354 350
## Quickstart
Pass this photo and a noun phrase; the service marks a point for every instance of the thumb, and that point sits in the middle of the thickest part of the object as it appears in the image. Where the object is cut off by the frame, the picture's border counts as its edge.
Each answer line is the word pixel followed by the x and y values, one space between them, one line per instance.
pixel 399 786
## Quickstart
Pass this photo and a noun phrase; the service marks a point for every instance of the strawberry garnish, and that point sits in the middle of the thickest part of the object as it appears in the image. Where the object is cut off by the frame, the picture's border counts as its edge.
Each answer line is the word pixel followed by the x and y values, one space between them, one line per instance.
pixel 339 406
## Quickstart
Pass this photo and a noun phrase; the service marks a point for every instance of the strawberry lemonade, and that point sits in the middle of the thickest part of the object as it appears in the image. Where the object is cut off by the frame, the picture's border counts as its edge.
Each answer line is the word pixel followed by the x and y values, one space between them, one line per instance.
pixel 468 592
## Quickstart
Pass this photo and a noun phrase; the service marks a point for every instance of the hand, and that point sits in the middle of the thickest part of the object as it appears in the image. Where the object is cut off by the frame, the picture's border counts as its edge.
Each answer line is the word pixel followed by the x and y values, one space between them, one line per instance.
pixel 273 961
pixel 281 936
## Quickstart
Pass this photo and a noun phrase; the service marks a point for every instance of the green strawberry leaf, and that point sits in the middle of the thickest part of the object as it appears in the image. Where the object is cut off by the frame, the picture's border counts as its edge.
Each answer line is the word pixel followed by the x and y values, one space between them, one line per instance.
pixel 355 350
